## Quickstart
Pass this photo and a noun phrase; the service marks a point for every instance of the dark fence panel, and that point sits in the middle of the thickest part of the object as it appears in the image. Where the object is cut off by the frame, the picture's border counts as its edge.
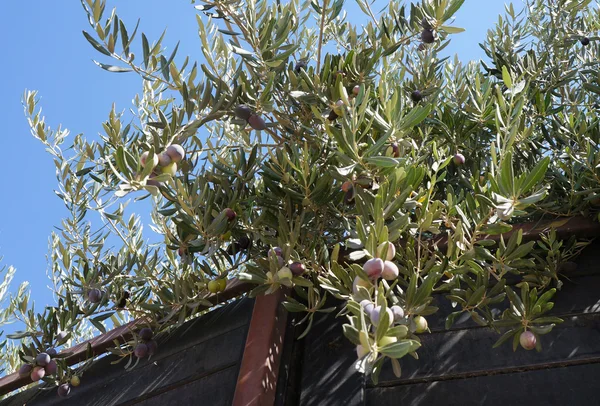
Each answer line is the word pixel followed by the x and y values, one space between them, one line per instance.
pixel 197 363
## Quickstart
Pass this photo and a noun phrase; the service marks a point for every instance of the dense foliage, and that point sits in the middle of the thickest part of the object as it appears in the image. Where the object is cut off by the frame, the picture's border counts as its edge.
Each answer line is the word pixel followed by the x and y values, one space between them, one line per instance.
pixel 344 161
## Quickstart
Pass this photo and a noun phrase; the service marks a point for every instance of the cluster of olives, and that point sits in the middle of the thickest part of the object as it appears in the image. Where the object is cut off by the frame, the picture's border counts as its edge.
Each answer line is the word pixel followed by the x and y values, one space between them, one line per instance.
pixel 217 285
pixel 165 162
pixel 147 346
pixel 254 120
pixel 286 271
pixel 43 365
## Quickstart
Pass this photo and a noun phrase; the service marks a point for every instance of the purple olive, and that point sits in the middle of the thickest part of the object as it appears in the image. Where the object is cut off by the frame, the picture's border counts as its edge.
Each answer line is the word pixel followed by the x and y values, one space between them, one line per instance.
pixel 428 36
pixel 94 295
pixel 25 370
pixel 37 374
pixel 257 122
pixel 585 41
pixel 152 347
pixel 395 149
pixel 144 158
pixel 358 281
pixel 391 251
pixel 230 214
pixel 146 334
pixel 61 335
pixel 176 152
pixel 297 268
pixel 51 368
pixel 390 271
pixel 300 65
pixel 42 359
pixel 373 268
pixel 416 96
pixel 141 350
pixel 368 306
pixel 376 315
pixel 242 111
pixel 528 340
pixel 398 313
pixel 64 390
pixel 164 159
pixel 356 90
pixel 459 159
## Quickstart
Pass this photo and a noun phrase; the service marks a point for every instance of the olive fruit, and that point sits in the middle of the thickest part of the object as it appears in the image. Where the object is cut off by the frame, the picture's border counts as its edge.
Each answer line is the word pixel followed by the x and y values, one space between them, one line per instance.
pixel 386 340
pixel 257 122
pixel 37 374
pixel 164 159
pixel 300 65
pixel 420 324
pixel 51 368
pixel 64 390
pixel 395 149
pixel 373 268
pixel 426 24
pixel 358 281
pixel 244 242
pixel 528 340
pixel 94 295
pixel 390 271
pixel 52 352
pixel 230 214
pixel 416 96
pixel 297 268
pixel 171 169
pixel 25 370
pixel 141 350
pixel 61 335
pixel 176 152
pixel 585 41
pixel 332 116
pixel 377 313
pixel 428 36
pixel 152 347
pixel 222 284
pixel 398 313
pixel 347 186
pixel 285 273
pixel 75 381
pixel 368 306
pixel 459 159
pixel 144 158
pixel 42 359
pixel 146 334
pixel 338 108
pixel 242 111
pixel 356 90
pixel 213 286
pixel 391 250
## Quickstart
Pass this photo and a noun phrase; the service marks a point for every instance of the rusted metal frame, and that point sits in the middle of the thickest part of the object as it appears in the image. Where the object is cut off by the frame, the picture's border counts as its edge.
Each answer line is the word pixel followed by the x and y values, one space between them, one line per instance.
pixel 99 345
pixel 259 369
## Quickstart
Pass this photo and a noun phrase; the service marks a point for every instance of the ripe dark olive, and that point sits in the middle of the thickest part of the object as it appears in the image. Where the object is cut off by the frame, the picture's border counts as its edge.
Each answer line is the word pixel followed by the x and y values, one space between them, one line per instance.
pixel 42 359
pixel 300 65
pixel 146 334
pixel 141 350
pixel 176 152
pixel 152 347
pixel 427 36
pixel 242 111
pixel 332 116
pixel 64 390
pixel 416 96
pixel 244 242
pixel 37 374
pixel 230 214
pixel 528 340
pixel 257 122
pixel 346 186
pixel 51 368
pixel 52 352
pixel 94 295
pixel 459 159
pixel 395 150
pixel 585 41
pixel 233 248
pixel 349 197
pixel 297 268
pixel 373 268
pixel 25 370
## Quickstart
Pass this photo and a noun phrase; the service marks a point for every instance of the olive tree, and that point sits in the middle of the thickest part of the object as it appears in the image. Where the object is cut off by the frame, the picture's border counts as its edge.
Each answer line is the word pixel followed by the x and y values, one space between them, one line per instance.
pixel 349 163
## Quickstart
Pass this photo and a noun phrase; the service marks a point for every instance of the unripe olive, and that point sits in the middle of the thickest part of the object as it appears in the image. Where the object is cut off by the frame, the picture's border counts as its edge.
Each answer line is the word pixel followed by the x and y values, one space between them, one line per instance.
pixel 339 107
pixel 390 271
pixel 146 333
pixel 144 158
pixel 75 381
pixel 358 281
pixel 376 315
pixel 51 368
pixel 459 159
pixel 585 41
pixel 528 340
pixel 64 390
pixel 373 267
pixel 164 159
pixel 361 351
pixel 416 96
pixel 428 36
pixel 222 284
pixel 242 111
pixel 300 65
pixel 37 374
pixel 285 273
pixel 420 324
pixel 257 122
pixel 213 286
pixel 386 340
pixel 230 214
pixel 171 169
pixel 141 350
pixel 176 152
pixel 398 313
pixel 297 268
pixel 25 370
pixel 42 359
pixel 391 250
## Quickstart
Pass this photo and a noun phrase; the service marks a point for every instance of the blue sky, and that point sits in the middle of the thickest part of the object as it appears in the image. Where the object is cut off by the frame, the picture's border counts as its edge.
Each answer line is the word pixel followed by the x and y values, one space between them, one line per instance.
pixel 45 51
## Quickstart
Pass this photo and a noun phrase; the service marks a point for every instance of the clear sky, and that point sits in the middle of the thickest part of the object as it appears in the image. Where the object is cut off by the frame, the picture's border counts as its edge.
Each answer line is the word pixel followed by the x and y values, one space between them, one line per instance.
pixel 44 50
